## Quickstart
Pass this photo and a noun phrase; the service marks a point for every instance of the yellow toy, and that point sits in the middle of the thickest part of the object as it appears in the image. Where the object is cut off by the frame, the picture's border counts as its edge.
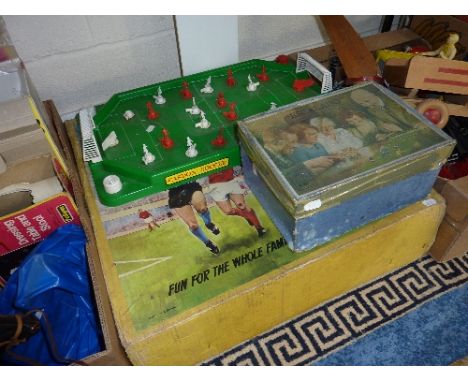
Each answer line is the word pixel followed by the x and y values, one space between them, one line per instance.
pixel 447 50
pixel 386 54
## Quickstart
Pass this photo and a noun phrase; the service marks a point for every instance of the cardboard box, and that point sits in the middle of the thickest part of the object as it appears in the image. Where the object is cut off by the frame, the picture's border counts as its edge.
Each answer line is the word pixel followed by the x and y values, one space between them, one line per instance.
pixel 452 237
pixel 30 143
pixel 228 320
pixel 366 176
pixel 428 73
pixel 20 136
pixel 32 204
pixel 221 319
pixel 113 352
pixel 32 177
pixel 30 159
pixel 21 108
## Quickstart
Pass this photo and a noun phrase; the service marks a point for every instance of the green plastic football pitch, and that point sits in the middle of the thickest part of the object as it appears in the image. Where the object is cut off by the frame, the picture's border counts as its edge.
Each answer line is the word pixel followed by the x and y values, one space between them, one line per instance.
pixel 171 167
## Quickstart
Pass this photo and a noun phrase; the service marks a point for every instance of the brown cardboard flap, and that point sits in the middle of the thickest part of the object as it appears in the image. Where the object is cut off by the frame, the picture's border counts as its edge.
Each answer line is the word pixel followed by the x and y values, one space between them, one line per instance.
pixel 439 184
pixel 114 354
pixel 450 241
pixel 455 193
pixel 24 143
pixel 14 202
pixel 427 73
pixel 11 134
pixel 15 114
pixel 446 235
pixel 30 171
pixel 395 71
pixel 438 74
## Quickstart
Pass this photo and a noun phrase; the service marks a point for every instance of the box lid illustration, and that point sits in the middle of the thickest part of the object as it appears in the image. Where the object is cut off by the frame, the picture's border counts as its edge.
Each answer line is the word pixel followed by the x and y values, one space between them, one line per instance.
pixel 316 153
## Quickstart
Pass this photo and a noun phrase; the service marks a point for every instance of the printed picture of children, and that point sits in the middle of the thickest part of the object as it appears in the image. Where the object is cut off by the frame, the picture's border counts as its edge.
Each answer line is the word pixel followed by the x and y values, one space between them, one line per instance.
pixel 390 115
pixel 296 151
pixel 309 151
pixel 368 131
pixel 334 140
pixel 277 143
pixel 321 142
pixel 340 142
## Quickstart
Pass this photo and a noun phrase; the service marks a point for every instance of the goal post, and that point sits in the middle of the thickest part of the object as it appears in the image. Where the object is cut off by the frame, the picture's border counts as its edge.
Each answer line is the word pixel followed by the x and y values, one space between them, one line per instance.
pixel 316 69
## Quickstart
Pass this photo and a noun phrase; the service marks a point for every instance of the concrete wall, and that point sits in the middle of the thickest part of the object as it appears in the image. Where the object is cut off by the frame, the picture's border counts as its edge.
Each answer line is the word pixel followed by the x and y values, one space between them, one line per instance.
pixel 268 36
pixel 82 60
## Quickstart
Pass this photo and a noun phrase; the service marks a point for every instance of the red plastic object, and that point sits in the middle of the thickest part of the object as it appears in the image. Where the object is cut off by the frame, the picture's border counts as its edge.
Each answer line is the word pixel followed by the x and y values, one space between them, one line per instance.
pixel 282 59
pixel 166 141
pixel 219 141
pixel 263 76
pixel 185 92
pixel 152 114
pixel 231 114
pixel 418 49
pixel 433 115
pixel 230 80
pixel 455 170
pixel 351 81
pixel 221 101
pixel 300 85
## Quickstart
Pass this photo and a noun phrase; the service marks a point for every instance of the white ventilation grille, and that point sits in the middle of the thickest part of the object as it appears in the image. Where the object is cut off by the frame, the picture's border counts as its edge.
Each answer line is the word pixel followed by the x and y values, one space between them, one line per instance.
pixel 90 147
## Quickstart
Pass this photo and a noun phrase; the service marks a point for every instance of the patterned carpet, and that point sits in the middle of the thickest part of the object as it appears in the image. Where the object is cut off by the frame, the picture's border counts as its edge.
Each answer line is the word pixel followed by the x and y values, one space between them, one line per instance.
pixel 344 320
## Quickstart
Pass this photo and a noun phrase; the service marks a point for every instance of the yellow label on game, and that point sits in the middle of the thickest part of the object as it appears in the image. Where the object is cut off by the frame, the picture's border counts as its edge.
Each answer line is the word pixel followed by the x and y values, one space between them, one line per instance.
pixel 62 209
pixel 197 171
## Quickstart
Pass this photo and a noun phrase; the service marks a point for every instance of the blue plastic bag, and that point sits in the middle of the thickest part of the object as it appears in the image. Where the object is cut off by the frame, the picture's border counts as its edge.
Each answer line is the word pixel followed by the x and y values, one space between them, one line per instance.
pixel 55 278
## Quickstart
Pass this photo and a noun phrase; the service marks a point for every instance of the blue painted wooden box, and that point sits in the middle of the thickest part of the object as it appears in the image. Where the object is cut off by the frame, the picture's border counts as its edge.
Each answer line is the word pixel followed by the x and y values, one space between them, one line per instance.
pixel 328 165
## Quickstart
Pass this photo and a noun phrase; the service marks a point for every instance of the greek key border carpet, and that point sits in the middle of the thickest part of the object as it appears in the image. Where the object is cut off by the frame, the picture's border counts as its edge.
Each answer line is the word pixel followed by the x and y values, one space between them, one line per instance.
pixel 347 318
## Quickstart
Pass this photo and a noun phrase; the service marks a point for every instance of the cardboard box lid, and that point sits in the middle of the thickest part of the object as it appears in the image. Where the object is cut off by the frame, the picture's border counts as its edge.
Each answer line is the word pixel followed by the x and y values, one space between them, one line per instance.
pixel 15 114
pixel 428 73
pixel 437 74
pixel 379 141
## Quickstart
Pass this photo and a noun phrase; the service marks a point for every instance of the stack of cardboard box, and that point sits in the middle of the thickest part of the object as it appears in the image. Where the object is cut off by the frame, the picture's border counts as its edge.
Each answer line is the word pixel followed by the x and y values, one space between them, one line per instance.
pixel 34 185
pixel 39 186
